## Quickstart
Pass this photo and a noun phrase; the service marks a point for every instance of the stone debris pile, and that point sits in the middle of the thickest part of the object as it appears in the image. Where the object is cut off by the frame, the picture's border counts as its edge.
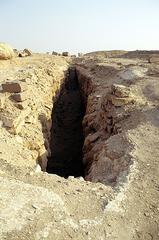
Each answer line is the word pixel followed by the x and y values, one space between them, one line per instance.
pixel 25 53
pixel 16 91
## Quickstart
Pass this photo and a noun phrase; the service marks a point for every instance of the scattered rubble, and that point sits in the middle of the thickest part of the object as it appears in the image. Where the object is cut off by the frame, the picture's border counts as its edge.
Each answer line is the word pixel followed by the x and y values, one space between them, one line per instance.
pixel 25 53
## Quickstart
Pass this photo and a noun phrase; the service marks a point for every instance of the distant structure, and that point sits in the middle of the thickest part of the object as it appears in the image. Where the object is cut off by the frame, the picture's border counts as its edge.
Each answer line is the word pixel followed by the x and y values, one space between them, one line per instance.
pixel 65 54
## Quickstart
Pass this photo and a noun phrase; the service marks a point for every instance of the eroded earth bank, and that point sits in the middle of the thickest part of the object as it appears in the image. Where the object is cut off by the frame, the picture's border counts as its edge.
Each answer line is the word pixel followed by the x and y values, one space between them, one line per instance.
pixel 79 147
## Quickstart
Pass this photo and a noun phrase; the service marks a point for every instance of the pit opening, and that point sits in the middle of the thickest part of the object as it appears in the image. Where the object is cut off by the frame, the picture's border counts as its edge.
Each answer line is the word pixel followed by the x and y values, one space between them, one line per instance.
pixel 66 133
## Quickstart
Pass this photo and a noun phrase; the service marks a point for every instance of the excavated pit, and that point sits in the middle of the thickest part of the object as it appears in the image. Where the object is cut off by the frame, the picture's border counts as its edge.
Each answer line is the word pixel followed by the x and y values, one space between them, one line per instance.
pixel 66 132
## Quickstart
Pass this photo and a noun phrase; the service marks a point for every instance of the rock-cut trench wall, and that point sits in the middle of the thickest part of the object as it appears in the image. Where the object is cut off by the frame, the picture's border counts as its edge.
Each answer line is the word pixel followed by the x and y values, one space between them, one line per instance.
pixel 106 149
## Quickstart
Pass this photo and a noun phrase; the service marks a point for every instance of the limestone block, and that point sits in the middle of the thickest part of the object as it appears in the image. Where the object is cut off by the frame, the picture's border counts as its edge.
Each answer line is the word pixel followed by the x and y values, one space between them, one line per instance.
pixel 120 90
pixel 20 97
pixel 14 87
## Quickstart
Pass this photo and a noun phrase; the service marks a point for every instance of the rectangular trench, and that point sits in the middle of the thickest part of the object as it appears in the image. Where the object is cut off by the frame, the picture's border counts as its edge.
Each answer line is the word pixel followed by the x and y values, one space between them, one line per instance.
pixel 66 133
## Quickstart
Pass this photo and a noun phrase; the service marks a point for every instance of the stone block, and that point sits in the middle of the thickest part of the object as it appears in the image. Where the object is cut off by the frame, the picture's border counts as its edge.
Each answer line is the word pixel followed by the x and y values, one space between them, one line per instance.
pixel 20 97
pixel 14 87
pixel 120 90
pixel 27 52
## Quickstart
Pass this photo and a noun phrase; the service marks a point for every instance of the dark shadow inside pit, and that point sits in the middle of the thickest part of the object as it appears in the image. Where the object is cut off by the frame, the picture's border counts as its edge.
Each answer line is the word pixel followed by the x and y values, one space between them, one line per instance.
pixel 66 133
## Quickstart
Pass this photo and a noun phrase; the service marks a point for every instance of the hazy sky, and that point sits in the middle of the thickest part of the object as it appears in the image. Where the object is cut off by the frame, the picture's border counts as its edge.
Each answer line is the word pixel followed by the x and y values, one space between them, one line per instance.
pixel 80 25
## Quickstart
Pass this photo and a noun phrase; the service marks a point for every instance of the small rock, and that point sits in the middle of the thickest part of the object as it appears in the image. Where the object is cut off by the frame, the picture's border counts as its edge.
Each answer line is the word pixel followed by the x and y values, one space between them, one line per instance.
pixel 98 96
pixel 79 190
pixel 27 52
pixel 146 214
pixel 66 193
pixel 120 91
pixel 37 168
pixel 35 206
pixel 19 139
pixel 71 177
pixel 80 178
